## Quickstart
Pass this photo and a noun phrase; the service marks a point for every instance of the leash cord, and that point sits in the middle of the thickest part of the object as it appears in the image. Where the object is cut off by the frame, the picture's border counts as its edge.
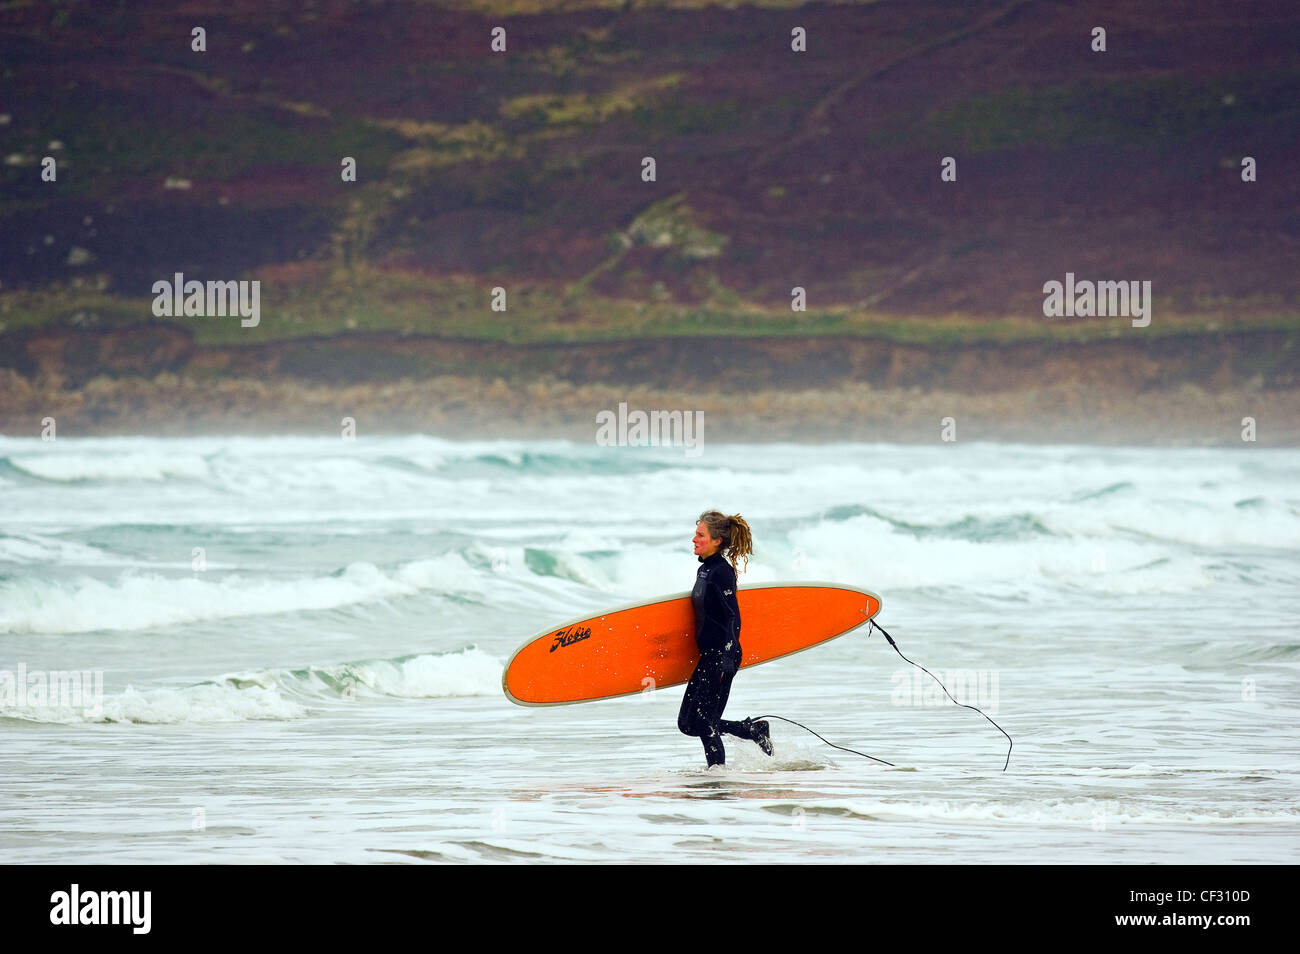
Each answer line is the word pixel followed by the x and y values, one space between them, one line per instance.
pixel 831 744
pixel 876 625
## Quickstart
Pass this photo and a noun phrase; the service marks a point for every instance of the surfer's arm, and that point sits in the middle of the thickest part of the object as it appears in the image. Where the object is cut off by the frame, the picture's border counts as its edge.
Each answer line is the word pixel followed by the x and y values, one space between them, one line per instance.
pixel 726 610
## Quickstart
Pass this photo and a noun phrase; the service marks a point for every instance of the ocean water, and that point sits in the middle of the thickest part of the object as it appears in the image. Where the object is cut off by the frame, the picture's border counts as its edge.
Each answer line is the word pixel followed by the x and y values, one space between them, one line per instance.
pixel 289 650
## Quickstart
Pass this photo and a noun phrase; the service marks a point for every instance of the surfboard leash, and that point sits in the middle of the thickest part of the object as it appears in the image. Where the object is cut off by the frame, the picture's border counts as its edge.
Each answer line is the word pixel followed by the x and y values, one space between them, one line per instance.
pixel 831 744
pixel 876 625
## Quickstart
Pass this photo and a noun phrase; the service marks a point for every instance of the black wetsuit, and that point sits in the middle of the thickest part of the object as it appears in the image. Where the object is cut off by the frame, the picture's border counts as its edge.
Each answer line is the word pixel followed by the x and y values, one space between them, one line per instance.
pixel 717 635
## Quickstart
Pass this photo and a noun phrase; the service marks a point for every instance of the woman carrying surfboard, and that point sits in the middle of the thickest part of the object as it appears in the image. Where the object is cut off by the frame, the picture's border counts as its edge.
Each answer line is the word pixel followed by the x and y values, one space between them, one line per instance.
pixel 717 636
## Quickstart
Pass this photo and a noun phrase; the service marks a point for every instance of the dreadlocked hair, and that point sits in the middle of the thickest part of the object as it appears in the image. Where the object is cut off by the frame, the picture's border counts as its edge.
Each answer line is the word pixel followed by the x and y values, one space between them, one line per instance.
pixel 734 533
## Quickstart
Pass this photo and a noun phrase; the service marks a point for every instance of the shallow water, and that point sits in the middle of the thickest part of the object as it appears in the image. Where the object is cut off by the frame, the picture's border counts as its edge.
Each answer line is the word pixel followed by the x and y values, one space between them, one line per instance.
pixel 320 680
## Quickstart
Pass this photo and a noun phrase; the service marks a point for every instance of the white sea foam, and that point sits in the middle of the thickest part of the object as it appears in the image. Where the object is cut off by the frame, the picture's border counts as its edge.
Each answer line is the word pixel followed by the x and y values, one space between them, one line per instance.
pixel 471 672
pixel 199 704
pixel 33 548
pixel 205 703
pixel 140 600
pixel 123 467
pixel 282 694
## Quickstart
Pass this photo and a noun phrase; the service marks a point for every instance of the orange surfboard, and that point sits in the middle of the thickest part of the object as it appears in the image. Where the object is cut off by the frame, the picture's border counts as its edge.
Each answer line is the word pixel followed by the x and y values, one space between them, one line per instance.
pixel 651 645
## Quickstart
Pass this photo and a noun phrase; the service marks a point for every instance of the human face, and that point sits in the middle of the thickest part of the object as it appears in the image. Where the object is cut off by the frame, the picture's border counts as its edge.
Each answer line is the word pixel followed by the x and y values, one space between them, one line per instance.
pixel 705 545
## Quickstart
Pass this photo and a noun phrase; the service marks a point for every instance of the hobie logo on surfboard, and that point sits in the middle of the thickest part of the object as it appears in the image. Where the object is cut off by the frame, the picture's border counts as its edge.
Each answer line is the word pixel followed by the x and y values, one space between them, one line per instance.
pixel 567 637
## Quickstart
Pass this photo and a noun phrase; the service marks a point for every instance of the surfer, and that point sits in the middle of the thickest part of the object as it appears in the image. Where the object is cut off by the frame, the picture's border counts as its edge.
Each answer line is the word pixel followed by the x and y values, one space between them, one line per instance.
pixel 717 636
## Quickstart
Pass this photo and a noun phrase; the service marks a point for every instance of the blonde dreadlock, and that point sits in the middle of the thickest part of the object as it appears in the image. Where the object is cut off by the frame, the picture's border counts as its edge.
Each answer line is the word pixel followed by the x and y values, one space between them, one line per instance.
pixel 734 533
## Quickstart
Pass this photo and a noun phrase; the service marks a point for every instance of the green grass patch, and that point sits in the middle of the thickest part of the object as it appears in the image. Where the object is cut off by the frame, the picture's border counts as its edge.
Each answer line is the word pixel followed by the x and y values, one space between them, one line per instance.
pixel 105 143
pixel 1143 111
pixel 583 108
pixel 685 114
pixel 343 301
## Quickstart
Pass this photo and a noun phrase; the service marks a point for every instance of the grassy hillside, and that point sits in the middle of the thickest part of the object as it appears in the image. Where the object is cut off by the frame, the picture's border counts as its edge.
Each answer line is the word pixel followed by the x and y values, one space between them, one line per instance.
pixel 522 169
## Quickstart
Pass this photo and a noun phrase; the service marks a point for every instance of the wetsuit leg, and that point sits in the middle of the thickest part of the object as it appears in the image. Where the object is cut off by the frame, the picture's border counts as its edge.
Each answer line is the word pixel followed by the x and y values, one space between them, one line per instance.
pixel 702 705
pixel 742 730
